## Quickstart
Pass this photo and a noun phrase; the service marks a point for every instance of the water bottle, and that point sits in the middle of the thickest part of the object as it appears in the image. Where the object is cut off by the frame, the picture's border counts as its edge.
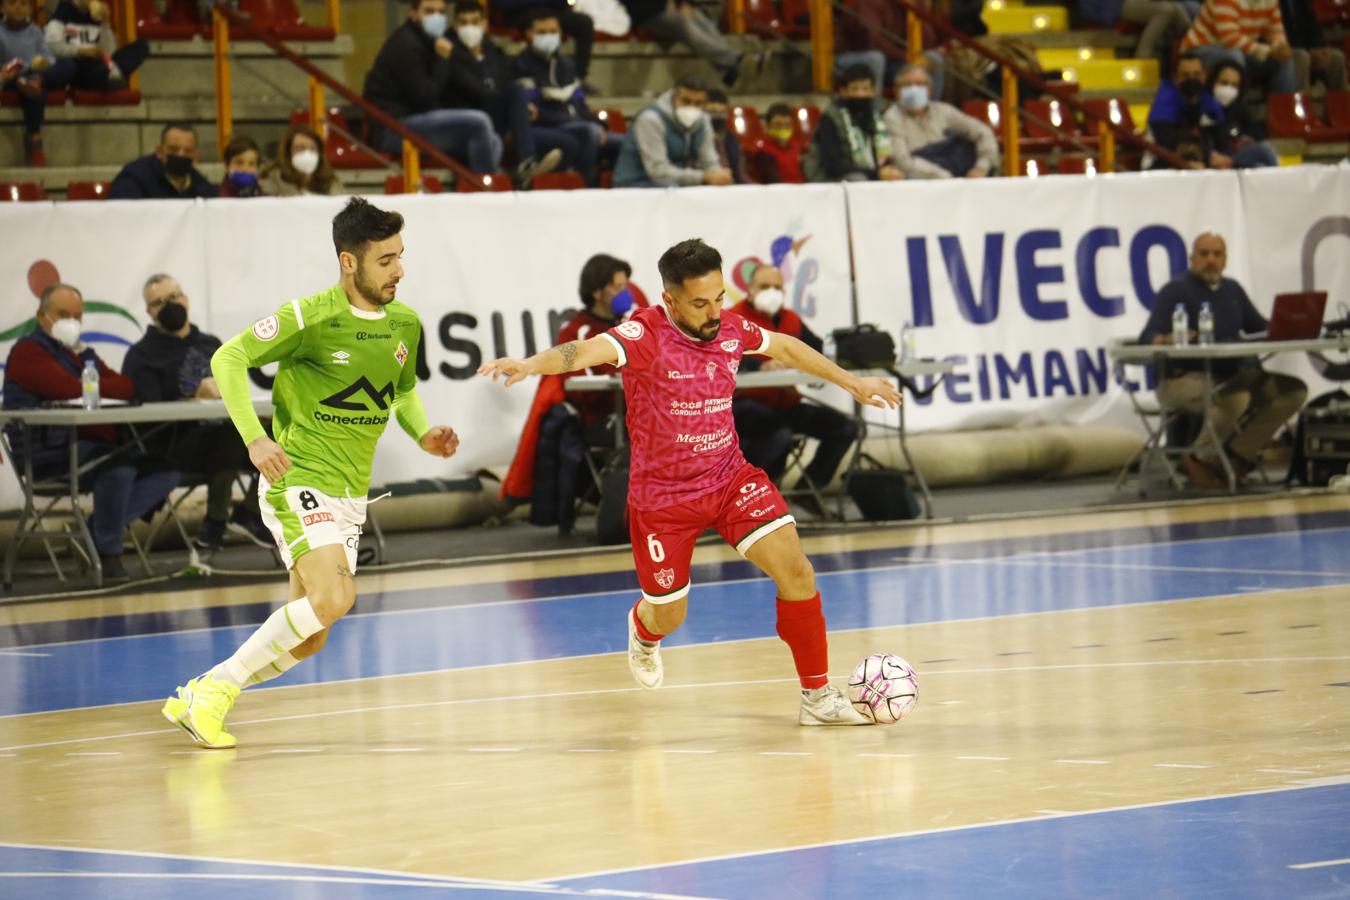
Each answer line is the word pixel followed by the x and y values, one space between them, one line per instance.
pixel 907 351
pixel 1206 328
pixel 1181 335
pixel 828 349
pixel 89 381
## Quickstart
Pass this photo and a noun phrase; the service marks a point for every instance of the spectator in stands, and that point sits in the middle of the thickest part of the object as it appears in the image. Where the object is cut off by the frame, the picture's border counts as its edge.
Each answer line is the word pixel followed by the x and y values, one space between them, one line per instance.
pixel 605 300
pixel 301 167
pixel 79 31
pixel 1164 21
pixel 768 420
pixel 1241 137
pixel 170 172
pixel 408 81
pixel 726 141
pixel 852 142
pixel 551 86
pixel 932 139
pixel 778 158
pixel 1186 117
pixel 577 24
pixel 26 67
pixel 671 143
pixel 681 22
pixel 241 158
pixel 1314 58
pixel 45 366
pixel 1251 403
pixel 173 362
pixel 1251 34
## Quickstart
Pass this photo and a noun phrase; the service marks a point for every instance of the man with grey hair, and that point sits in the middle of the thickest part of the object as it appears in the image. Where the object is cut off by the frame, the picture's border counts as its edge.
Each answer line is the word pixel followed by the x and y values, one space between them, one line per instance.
pixel 1249 404
pixel 173 362
pixel 45 366
pixel 931 139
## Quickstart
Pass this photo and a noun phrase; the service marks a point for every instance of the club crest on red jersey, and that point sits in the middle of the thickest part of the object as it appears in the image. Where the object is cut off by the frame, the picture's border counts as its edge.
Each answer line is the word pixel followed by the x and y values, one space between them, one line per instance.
pixel 733 366
pixel 665 578
pixel 631 330
pixel 712 370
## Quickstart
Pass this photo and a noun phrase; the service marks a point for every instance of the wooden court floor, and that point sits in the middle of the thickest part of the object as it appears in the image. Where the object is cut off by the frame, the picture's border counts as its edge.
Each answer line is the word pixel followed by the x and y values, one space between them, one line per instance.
pixel 1068 665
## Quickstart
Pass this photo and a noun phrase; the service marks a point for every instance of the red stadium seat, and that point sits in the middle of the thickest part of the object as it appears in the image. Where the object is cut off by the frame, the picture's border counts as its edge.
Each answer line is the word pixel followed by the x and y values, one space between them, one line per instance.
pixel 1077 165
pixel 497 181
pixel 282 18
pixel 1048 123
pixel 120 97
pixel 1293 116
pixel 430 185
pixel 1338 110
pixel 88 190
pixel 558 181
pixel 744 122
pixel 987 111
pixel 21 191
pixel 1036 167
pixel 1114 109
pixel 54 98
pixel 805 119
pixel 613 121
pixel 343 152
pixel 180 21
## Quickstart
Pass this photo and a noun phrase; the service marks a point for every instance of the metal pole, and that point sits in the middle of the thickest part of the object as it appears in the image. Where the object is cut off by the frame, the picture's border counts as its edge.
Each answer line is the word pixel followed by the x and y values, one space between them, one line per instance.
pixel 1012 162
pixel 220 31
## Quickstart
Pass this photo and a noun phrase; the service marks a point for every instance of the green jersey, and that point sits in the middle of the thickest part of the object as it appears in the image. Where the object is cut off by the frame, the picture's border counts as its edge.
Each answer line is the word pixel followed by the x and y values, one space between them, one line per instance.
pixel 343 370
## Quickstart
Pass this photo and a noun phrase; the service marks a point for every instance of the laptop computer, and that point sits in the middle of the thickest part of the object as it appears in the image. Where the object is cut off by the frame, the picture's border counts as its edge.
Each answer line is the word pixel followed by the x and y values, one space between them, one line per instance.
pixel 1297 316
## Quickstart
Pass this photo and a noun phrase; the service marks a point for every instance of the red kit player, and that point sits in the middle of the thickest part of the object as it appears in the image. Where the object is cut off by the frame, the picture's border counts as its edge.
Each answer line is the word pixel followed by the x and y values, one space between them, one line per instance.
pixel 679 363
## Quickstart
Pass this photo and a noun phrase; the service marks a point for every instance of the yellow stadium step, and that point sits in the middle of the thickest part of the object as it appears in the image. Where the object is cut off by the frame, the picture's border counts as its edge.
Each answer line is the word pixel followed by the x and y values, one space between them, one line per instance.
pixel 1139 112
pixel 1063 57
pixel 1025 19
pixel 1105 74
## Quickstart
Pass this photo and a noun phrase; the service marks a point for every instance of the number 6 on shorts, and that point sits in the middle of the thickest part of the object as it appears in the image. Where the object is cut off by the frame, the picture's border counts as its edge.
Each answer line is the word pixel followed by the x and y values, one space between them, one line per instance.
pixel 654 549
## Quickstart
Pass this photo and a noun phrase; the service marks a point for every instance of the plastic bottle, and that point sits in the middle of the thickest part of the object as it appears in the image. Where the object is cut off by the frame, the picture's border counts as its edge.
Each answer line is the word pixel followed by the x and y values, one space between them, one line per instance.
pixel 89 380
pixel 1181 335
pixel 1206 325
pixel 907 351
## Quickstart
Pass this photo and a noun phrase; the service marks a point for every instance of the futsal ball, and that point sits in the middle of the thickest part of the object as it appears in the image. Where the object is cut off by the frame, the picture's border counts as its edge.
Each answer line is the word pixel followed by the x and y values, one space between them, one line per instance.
pixel 884 688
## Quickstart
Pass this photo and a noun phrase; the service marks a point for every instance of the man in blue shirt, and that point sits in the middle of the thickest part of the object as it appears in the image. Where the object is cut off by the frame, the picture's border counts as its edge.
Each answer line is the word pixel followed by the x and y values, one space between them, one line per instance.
pixel 1185 116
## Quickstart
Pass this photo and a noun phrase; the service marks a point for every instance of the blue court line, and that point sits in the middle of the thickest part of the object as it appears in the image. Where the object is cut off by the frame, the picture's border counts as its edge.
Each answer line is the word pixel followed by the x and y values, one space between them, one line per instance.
pixel 121 670
pixel 1238 846
pixel 27 635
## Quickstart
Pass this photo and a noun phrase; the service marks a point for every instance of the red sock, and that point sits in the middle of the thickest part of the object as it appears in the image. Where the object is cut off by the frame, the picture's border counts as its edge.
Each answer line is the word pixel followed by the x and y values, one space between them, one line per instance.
pixel 801 625
pixel 642 631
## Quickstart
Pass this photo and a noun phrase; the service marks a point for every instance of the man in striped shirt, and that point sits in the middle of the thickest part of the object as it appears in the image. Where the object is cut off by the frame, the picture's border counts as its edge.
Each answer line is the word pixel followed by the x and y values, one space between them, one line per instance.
pixel 1251 34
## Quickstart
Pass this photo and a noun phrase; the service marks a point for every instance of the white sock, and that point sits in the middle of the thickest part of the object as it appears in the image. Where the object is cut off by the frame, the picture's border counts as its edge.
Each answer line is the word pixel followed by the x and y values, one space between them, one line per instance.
pixel 275 669
pixel 284 630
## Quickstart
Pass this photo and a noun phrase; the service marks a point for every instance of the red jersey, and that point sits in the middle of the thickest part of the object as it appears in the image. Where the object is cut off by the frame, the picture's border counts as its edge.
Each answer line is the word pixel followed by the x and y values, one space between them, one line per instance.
pixel 678 390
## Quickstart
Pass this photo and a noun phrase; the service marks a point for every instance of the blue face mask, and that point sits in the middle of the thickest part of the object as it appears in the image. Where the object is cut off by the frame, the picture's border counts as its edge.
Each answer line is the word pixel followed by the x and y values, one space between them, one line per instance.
pixel 244 179
pixel 546 44
pixel 621 303
pixel 434 24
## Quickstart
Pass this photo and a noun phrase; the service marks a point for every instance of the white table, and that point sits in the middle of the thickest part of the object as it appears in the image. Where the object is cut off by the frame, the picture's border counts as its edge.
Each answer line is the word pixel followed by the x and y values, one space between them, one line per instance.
pixel 73 417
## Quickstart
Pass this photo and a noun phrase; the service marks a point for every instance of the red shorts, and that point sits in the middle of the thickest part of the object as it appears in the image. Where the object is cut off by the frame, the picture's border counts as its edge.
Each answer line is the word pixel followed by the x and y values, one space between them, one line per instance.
pixel 747 509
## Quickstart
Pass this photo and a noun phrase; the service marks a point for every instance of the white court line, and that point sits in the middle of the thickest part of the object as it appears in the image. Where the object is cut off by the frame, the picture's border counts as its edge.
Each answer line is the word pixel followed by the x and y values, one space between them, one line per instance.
pixel 1182 766
pixel 429 704
pixel 1208 570
pixel 395 750
pixel 890 755
pixel 497 749
pixel 1286 771
pixel 95 753
pixel 985 758
pixel 1084 762
pixel 700 752
pixel 784 753
pixel 1320 865
pixel 591 750
pixel 541 889
pixel 23 652
pixel 298 750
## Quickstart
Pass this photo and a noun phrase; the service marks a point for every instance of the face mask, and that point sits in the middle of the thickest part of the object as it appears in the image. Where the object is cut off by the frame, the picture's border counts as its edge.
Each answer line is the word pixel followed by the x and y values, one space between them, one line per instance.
pixel 178 166
pixel 434 24
pixel 306 162
pixel 621 303
pixel 914 97
pixel 859 107
pixel 470 35
pixel 546 44
pixel 719 123
pixel 769 301
pixel 781 135
pixel 243 180
pixel 1225 94
pixel 1191 89
pixel 67 331
pixel 688 116
pixel 172 316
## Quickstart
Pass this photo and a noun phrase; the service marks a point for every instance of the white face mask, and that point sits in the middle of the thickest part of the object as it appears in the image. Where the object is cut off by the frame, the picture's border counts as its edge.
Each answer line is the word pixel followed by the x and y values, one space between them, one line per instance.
pixel 306 162
pixel 1225 94
pixel 688 116
pixel 434 24
pixel 470 35
pixel 67 331
pixel 769 301
pixel 546 44
pixel 914 97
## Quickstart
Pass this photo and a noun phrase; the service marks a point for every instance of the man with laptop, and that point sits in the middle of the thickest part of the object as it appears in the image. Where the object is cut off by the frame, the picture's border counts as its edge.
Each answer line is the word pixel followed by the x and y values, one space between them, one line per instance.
pixel 1250 404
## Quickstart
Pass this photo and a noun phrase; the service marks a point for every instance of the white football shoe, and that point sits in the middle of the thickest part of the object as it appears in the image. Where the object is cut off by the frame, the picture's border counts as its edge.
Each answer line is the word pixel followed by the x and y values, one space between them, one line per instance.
pixel 644 659
pixel 827 706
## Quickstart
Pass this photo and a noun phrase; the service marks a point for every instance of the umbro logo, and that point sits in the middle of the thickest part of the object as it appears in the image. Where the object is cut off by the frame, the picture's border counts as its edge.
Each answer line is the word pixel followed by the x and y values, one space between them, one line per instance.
pixel 381 397
pixel 341 358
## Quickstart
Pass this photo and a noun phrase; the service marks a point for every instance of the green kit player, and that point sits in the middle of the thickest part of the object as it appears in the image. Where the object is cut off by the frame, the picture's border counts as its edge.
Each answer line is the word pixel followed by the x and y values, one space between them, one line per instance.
pixel 348 359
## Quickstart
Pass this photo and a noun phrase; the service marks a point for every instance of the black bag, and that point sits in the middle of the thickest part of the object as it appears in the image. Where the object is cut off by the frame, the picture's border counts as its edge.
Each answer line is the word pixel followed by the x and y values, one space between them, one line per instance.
pixel 883 495
pixel 863 347
pixel 611 516
pixel 1321 440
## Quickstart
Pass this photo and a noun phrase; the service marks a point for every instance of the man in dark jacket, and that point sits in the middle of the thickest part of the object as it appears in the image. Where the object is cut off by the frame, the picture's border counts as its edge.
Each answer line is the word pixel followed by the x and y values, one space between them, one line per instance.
pixel 173 362
pixel 45 366
pixel 169 173
pixel 852 143
pixel 1185 115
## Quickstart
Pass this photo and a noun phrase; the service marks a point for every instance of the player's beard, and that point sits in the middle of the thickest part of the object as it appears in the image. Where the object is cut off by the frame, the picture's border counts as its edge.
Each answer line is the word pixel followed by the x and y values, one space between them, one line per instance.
pixel 707 332
pixel 367 288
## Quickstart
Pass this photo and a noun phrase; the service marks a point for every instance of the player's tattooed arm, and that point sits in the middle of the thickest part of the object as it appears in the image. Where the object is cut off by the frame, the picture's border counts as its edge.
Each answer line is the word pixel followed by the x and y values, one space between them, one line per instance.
pixel 344 571
pixel 569 355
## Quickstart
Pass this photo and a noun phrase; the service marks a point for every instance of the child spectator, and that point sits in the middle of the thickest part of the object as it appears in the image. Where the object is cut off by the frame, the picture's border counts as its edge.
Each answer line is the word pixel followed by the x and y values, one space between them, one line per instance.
pixel 76 32
pixel 27 67
pixel 778 158
pixel 1241 137
pixel 301 167
pixel 852 142
pixel 241 158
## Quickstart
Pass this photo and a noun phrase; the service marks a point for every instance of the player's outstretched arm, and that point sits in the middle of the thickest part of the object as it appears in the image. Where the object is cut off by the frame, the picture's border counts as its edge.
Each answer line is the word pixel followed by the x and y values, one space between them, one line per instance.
pixel 570 357
pixel 229 366
pixel 878 392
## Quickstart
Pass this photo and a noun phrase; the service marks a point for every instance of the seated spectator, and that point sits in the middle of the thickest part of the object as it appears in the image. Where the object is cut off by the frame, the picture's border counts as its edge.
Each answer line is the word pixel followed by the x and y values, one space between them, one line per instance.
pixel 26 66
pixel 79 31
pixel 551 86
pixel 726 141
pixel 671 143
pixel 571 19
pixel 1164 21
pixel 605 300
pixel 778 158
pixel 1251 403
pixel 681 22
pixel 46 365
pixel 1242 136
pixel 170 172
pixel 1314 58
pixel 173 362
pixel 769 419
pixel 1251 34
pixel 852 142
pixel 932 139
pixel 301 167
pixel 1186 117
pixel 408 81
pixel 241 158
